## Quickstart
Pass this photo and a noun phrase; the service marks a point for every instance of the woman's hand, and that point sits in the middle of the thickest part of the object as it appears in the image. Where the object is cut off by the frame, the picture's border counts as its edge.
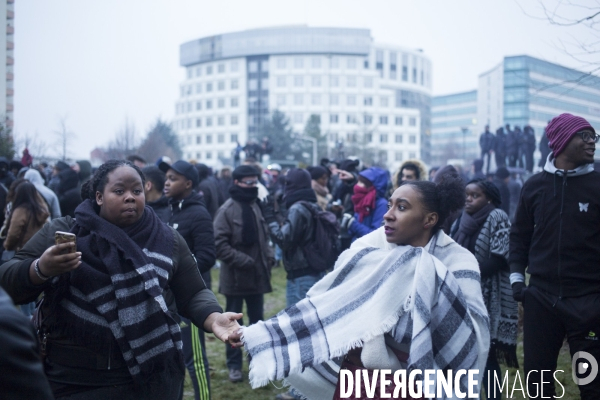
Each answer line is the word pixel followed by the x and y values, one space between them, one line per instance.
pixel 54 262
pixel 225 327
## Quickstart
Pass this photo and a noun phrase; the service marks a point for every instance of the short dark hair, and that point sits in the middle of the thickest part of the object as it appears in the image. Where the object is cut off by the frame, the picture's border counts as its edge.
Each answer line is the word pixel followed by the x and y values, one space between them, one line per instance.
pixel 135 157
pixel 413 167
pixel 156 176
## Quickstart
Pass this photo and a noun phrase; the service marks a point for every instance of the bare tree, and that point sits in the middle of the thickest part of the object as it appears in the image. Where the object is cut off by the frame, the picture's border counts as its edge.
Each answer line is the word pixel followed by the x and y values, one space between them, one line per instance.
pixel 63 138
pixel 125 142
pixel 578 18
pixel 37 147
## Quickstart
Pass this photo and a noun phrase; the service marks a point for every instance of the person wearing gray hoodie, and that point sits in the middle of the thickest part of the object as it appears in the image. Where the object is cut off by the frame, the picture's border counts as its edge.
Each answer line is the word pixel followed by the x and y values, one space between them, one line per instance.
pixel 34 177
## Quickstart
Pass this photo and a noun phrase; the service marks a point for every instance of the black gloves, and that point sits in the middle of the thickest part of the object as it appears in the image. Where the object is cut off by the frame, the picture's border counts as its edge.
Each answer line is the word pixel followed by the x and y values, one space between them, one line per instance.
pixel 518 289
pixel 267 207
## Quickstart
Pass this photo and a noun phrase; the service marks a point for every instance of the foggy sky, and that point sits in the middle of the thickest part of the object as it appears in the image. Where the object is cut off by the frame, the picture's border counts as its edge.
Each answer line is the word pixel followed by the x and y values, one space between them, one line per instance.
pixel 97 63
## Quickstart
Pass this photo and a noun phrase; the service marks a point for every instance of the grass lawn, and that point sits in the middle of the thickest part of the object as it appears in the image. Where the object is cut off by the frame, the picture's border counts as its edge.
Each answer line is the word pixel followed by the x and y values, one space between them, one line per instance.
pixel 222 389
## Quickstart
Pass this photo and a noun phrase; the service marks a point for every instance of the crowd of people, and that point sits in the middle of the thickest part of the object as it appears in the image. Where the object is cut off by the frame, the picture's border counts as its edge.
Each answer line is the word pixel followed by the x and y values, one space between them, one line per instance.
pixel 512 148
pixel 122 310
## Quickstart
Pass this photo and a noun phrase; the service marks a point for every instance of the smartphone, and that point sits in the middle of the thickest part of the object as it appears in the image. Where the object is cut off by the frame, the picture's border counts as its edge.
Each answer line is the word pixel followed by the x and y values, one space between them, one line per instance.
pixel 66 237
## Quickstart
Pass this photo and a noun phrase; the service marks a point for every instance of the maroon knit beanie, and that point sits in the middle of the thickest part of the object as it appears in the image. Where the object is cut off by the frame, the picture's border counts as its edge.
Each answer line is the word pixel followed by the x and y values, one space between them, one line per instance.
pixel 562 128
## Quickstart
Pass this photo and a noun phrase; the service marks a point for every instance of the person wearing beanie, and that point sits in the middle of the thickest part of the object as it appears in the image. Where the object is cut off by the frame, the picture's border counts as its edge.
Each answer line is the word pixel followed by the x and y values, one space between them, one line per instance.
pixel 500 180
pixel 242 242
pixel 319 178
pixel 189 216
pixel 555 239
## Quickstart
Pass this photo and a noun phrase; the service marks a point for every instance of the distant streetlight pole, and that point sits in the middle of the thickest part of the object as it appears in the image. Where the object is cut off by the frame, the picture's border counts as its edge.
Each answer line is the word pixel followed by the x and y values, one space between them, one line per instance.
pixel 464 131
pixel 314 146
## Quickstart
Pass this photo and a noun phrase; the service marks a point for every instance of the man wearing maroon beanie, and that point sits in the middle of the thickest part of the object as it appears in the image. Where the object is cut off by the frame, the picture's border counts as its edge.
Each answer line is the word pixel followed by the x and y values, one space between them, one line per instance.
pixel 556 236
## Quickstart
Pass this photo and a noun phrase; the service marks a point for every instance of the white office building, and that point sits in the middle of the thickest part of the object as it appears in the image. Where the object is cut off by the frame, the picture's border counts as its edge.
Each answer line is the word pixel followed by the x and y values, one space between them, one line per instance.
pixel 367 95
pixel 6 68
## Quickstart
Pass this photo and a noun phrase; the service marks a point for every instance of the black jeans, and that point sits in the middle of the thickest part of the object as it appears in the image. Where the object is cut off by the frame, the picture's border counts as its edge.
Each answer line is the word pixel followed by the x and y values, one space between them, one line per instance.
pixel 546 323
pixel 254 304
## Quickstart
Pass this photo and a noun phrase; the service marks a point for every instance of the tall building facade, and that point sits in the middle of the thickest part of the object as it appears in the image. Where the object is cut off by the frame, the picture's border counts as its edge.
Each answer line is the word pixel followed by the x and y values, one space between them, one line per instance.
pixel 366 94
pixel 520 91
pixel 453 127
pixel 524 90
pixel 6 68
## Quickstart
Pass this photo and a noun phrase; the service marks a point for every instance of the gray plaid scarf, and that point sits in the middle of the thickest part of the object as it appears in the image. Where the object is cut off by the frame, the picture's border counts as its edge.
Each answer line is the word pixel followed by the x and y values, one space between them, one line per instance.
pixel 424 305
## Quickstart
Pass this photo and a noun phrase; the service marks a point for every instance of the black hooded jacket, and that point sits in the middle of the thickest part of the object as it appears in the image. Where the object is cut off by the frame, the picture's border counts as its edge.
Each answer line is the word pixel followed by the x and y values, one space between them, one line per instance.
pixel 556 231
pixel 191 219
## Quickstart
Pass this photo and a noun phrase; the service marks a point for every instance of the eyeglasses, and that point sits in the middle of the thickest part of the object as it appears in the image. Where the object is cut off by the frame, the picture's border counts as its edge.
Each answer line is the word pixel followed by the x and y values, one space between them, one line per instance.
pixel 249 183
pixel 587 136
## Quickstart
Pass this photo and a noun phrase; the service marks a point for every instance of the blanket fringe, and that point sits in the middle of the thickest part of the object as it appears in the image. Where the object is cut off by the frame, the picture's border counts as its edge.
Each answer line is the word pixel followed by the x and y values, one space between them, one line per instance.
pixel 385 327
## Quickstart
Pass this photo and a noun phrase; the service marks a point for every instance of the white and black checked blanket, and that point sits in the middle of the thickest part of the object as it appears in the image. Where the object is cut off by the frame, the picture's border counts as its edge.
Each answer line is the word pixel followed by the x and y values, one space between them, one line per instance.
pixel 116 294
pixel 401 291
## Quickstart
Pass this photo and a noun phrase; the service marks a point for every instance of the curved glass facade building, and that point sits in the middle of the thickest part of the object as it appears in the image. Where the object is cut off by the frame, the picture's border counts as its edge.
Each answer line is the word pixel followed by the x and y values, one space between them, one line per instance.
pixel 366 94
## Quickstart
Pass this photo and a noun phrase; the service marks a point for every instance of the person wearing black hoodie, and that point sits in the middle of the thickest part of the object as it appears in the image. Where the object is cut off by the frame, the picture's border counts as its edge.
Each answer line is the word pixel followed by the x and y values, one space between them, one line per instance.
pixel 555 236
pixel 512 146
pixel 191 219
pixel 153 189
pixel 209 188
pixel 69 193
pixel 291 235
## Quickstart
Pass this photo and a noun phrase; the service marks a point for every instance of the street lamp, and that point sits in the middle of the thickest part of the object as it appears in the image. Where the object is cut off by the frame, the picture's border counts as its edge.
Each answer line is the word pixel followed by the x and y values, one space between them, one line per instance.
pixel 464 130
pixel 314 146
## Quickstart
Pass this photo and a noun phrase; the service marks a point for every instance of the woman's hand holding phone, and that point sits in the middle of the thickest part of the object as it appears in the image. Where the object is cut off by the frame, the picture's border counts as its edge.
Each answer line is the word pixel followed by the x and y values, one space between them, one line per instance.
pixel 58 259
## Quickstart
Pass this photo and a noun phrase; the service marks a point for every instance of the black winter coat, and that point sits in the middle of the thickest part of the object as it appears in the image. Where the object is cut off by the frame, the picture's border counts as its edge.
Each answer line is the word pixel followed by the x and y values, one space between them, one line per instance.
pixel 296 231
pixel 555 233
pixel 161 208
pixel 212 197
pixel 191 219
pixel 512 143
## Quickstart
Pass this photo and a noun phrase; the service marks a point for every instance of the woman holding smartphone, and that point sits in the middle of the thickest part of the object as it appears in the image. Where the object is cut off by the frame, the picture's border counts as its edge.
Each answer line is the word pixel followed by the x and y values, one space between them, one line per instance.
pixel 108 327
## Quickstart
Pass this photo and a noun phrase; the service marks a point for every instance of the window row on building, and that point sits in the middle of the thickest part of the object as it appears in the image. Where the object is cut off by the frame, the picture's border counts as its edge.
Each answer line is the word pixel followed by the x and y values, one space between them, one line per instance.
pixel 366 119
pixel 210 138
pixel 220 120
pixel 323 80
pixel 210 69
pixel 209 104
pixel 208 87
pixel 316 99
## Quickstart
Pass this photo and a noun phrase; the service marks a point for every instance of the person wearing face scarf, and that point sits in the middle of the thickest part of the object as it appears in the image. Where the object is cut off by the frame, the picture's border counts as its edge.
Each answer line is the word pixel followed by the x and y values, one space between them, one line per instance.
pixel 370 203
pixel 483 229
pixel 242 243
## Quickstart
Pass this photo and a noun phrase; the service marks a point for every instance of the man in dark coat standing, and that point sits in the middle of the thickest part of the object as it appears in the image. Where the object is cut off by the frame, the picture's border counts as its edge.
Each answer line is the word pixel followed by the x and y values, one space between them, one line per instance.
pixel 242 242
pixel 500 148
pixel 209 188
pixel 512 146
pixel 501 179
pixel 528 147
pixel 487 142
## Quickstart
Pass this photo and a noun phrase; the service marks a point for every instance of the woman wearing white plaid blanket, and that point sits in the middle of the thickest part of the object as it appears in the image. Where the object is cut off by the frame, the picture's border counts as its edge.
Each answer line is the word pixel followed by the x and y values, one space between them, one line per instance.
pixel 404 297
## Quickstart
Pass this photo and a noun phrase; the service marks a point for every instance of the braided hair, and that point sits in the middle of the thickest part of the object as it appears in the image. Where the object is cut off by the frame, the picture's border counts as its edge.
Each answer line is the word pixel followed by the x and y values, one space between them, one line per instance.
pixel 444 197
pixel 99 179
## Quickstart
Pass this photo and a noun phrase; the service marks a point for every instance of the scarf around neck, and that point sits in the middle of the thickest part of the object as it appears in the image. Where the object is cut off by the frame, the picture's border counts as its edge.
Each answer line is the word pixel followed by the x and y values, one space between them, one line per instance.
pixel 246 196
pixel 364 201
pixel 117 292
pixel 405 292
pixel 300 195
pixel 470 225
pixel 319 189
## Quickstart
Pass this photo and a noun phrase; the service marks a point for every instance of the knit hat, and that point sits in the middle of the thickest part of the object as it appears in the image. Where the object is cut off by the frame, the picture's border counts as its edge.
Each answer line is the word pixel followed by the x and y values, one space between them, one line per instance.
pixel 349 165
pixel 244 171
pixel 297 179
pixel 561 130
pixel 502 173
pixel 316 172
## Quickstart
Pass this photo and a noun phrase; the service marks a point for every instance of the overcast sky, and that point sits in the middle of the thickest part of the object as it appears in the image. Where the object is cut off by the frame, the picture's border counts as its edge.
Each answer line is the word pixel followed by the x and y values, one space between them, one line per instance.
pixel 96 63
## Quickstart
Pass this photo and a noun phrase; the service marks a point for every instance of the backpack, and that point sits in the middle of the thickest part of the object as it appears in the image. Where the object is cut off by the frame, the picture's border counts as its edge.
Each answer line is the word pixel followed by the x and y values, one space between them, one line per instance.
pixel 322 251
